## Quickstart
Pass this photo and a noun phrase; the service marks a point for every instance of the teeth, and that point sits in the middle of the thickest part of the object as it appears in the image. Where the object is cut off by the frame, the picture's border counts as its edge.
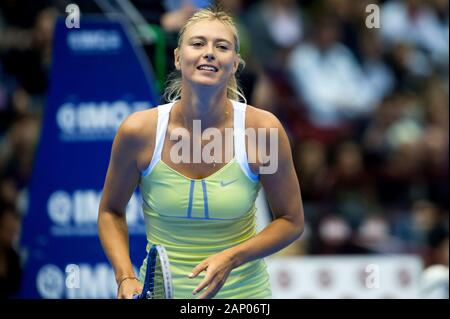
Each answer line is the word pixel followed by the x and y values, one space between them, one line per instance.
pixel 208 68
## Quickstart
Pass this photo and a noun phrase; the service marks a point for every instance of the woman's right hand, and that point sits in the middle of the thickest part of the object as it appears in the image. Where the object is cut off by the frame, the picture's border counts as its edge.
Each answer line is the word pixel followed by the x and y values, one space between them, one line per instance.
pixel 128 288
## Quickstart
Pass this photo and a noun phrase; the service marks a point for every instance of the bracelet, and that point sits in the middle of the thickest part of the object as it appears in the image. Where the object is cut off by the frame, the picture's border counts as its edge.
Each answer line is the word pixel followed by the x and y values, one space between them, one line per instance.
pixel 123 279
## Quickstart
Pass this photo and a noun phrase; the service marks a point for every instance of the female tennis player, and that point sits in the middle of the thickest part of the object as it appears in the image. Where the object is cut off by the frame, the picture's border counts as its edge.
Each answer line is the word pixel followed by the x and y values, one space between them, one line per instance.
pixel 203 212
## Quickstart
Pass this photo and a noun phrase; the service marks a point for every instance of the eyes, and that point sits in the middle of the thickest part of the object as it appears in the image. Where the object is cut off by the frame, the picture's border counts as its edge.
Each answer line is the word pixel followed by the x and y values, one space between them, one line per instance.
pixel 219 45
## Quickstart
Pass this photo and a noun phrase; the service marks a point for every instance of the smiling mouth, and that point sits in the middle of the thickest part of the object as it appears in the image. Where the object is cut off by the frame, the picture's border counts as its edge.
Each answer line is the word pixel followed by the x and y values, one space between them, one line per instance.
pixel 205 67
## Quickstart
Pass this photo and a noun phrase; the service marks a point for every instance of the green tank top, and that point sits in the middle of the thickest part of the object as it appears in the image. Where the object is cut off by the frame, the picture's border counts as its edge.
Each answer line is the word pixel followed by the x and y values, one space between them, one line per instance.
pixel 196 218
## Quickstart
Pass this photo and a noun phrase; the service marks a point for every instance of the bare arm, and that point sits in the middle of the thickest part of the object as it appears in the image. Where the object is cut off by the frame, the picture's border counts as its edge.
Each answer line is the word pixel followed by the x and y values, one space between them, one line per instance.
pixel 283 194
pixel 121 180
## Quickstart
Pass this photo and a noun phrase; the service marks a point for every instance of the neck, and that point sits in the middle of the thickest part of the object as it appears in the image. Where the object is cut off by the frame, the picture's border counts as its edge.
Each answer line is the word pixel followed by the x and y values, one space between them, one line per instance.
pixel 210 107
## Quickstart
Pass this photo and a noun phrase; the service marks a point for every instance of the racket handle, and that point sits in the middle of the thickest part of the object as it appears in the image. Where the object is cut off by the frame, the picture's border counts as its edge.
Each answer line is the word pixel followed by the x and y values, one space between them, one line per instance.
pixel 136 296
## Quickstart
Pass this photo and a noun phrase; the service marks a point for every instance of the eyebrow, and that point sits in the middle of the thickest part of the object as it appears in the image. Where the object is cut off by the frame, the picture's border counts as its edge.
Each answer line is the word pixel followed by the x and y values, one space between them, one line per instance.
pixel 216 40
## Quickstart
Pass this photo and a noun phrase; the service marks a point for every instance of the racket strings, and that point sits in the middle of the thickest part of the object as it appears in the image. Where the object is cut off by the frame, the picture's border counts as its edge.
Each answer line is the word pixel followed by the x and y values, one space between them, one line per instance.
pixel 159 290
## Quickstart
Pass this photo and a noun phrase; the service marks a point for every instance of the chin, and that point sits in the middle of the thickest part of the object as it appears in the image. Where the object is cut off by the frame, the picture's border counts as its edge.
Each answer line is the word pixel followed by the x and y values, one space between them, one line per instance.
pixel 206 82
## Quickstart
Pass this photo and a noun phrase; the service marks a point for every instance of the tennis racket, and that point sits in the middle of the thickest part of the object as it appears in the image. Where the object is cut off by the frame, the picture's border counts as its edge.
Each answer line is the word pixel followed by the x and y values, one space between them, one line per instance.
pixel 158 281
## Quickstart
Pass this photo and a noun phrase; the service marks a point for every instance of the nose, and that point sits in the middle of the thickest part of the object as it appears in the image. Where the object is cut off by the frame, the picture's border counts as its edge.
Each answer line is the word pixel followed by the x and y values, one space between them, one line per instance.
pixel 209 56
pixel 209 53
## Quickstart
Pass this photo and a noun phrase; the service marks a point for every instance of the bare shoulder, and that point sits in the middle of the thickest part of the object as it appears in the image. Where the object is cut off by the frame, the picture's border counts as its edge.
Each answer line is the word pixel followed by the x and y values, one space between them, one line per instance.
pixel 135 138
pixel 258 118
pixel 136 134
pixel 139 125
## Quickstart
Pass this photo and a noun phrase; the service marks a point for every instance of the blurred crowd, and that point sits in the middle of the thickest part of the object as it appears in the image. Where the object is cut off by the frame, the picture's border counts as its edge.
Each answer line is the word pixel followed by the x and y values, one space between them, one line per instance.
pixel 366 109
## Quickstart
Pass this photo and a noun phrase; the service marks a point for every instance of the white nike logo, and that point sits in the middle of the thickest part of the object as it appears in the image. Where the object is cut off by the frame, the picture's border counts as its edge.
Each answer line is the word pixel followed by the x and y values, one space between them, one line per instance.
pixel 223 184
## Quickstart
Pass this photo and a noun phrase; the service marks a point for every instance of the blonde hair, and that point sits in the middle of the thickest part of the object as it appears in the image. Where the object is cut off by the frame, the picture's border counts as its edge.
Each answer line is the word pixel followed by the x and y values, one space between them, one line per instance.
pixel 234 92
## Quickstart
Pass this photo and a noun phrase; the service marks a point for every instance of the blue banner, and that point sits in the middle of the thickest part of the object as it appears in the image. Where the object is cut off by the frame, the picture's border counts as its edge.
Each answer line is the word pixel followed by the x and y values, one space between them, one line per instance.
pixel 98 77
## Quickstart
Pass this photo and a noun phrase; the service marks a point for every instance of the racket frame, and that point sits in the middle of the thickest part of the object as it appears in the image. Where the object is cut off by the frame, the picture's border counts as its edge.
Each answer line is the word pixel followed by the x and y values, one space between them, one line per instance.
pixel 157 251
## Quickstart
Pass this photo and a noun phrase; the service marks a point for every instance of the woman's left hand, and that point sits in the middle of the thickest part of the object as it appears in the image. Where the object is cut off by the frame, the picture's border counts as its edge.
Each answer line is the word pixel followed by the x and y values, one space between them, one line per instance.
pixel 217 267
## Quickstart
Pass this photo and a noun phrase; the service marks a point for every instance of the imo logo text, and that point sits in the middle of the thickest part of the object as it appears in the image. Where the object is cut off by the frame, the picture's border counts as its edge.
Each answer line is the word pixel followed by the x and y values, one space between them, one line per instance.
pixel 76 281
pixel 80 208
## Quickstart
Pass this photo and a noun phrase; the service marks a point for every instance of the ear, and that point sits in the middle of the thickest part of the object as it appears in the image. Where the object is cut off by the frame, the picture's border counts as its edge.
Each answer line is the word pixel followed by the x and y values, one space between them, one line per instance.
pixel 236 63
pixel 177 63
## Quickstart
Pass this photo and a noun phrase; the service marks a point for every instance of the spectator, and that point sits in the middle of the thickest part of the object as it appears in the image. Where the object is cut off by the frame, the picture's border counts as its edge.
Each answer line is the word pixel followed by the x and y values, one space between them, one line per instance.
pixel 439 245
pixel 329 79
pixel 275 27
pixel 10 266
pixel 415 22
pixel 351 191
